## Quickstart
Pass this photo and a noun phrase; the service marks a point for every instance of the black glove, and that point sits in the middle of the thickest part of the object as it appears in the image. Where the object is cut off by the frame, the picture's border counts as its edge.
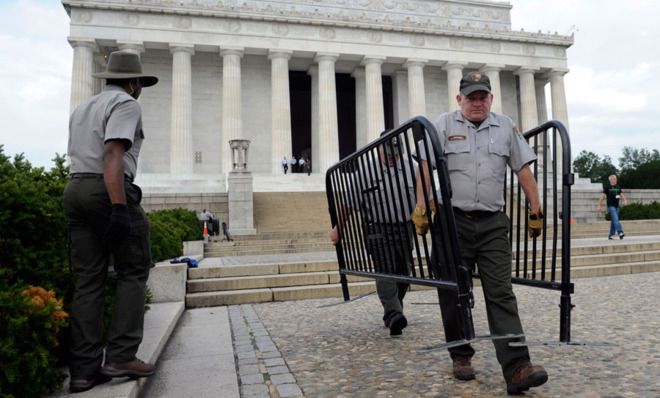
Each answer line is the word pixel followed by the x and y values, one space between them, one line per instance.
pixel 120 225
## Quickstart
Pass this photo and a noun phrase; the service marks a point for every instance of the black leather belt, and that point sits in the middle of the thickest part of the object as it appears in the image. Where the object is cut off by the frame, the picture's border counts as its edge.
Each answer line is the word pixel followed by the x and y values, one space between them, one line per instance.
pixel 95 175
pixel 475 214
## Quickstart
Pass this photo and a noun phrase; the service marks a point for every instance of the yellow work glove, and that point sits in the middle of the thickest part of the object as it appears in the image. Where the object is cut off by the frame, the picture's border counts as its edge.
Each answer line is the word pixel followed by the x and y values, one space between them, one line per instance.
pixel 534 224
pixel 420 220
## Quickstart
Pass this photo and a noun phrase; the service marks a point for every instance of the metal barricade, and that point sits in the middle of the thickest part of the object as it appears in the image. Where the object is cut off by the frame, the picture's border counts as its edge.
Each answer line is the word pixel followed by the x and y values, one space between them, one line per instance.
pixel 373 240
pixel 536 260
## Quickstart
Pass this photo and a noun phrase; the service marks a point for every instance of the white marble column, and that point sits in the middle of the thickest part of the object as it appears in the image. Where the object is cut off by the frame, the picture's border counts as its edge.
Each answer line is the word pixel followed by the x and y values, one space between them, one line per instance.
pixel 181 151
pixel 374 95
pixel 400 102
pixel 328 129
pixel 559 107
pixel 99 66
pixel 542 107
pixel 454 76
pixel 232 122
pixel 82 82
pixel 313 72
pixel 528 109
pixel 280 108
pixel 416 93
pixel 493 73
pixel 360 101
pixel 558 96
pixel 135 47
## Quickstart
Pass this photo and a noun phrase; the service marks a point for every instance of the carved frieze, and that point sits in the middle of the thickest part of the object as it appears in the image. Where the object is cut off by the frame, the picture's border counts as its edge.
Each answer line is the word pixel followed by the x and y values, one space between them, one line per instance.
pixel 131 19
pixel 82 16
pixel 418 20
pixel 392 12
pixel 280 29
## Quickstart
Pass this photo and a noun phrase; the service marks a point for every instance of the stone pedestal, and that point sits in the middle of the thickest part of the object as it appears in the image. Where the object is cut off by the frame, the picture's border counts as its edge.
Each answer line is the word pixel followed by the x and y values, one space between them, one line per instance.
pixel 239 191
pixel 239 195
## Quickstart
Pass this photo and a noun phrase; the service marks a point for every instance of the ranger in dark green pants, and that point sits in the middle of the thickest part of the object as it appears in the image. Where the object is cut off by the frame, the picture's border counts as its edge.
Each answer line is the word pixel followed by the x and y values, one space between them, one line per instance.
pixel 106 222
pixel 385 219
pixel 478 146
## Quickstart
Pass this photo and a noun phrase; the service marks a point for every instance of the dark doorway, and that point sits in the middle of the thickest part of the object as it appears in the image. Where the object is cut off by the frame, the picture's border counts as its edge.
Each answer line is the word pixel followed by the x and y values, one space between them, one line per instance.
pixel 300 97
pixel 388 102
pixel 345 113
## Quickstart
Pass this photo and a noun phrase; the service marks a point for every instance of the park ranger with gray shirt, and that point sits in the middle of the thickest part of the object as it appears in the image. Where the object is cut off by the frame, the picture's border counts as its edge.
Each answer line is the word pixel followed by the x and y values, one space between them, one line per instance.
pixel 105 221
pixel 478 146
pixel 385 219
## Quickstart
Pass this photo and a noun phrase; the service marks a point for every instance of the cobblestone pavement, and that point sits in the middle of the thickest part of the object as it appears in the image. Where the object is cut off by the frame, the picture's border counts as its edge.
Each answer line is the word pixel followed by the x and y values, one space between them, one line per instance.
pixel 344 350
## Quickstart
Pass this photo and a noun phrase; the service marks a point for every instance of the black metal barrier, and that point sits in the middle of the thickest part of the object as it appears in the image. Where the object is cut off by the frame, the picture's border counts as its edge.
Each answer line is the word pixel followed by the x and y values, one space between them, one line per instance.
pixel 376 241
pixel 536 259
pixel 370 203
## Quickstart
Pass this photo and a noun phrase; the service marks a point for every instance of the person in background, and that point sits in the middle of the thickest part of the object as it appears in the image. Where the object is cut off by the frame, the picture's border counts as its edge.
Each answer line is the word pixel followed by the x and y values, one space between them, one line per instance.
pixel 285 165
pixel 614 195
pixel 105 220
pixel 294 161
pixel 389 241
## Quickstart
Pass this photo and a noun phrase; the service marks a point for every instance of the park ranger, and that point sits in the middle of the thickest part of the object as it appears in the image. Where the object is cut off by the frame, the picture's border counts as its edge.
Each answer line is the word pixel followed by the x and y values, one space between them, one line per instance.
pixel 105 221
pixel 385 219
pixel 478 146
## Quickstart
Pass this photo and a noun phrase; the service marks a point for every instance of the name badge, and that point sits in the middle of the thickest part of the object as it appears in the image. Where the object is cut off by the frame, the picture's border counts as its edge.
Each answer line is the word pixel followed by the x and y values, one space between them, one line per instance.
pixel 456 138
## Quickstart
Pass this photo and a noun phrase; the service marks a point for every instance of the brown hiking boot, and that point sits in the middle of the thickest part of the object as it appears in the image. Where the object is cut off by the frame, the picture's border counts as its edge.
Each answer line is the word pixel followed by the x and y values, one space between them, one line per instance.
pixel 84 383
pixel 526 377
pixel 463 368
pixel 134 368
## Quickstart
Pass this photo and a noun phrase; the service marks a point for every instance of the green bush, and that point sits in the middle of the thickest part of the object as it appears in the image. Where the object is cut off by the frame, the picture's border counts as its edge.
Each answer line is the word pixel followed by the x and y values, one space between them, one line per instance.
pixel 31 320
pixel 33 251
pixel 168 229
pixel 636 211
pixel 33 241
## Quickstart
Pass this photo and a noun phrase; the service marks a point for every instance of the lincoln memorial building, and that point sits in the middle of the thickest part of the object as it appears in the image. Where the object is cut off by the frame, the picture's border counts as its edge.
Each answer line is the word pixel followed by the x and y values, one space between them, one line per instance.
pixel 313 78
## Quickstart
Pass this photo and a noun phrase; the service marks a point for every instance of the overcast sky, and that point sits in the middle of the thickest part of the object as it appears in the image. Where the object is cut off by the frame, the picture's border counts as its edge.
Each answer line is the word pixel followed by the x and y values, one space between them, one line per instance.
pixel 612 89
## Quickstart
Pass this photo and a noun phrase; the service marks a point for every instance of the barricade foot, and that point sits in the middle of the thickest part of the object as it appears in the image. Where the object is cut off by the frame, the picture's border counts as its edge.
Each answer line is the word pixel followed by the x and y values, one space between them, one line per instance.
pixel 457 343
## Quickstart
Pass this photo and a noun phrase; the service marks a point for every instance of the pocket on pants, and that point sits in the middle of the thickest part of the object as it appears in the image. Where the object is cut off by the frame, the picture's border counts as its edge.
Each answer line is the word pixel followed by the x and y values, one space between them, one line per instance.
pixel 135 250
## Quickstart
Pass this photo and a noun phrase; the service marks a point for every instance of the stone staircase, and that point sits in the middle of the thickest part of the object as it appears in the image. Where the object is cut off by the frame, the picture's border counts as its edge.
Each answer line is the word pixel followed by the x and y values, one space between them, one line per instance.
pixel 295 279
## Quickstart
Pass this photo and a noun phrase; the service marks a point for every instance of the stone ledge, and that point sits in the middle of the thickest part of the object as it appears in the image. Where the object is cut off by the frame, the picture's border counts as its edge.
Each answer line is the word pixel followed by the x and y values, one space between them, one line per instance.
pixel 159 323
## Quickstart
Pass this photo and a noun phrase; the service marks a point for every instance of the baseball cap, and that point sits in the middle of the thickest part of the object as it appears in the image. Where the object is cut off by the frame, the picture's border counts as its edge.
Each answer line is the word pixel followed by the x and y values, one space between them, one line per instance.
pixel 474 81
pixel 393 147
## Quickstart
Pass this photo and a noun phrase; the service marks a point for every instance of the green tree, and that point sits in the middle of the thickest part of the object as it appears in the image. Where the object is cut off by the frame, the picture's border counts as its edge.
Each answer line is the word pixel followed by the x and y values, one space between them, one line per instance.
pixel 631 158
pixel 591 165
pixel 644 176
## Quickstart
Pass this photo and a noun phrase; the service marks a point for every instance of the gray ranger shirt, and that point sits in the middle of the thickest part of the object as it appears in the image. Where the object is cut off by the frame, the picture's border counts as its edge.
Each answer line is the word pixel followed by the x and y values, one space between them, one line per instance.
pixel 374 190
pixel 112 114
pixel 477 158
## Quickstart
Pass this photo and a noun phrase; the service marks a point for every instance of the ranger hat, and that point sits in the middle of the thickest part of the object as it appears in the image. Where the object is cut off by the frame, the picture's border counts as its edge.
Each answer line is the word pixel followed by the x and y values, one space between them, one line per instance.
pixel 393 147
pixel 125 65
pixel 474 81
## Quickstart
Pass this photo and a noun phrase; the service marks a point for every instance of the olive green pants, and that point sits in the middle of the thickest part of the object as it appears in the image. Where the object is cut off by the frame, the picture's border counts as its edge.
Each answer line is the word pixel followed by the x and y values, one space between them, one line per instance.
pixel 87 208
pixel 390 247
pixel 484 243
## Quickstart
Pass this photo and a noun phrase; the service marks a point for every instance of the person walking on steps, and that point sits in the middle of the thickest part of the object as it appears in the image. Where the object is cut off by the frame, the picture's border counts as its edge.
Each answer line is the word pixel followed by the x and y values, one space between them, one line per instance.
pixel 383 234
pixel 105 220
pixel 478 146
pixel 614 195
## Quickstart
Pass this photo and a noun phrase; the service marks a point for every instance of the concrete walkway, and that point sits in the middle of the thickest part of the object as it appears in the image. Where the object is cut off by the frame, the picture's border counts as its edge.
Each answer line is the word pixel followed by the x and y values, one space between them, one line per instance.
pixel 307 348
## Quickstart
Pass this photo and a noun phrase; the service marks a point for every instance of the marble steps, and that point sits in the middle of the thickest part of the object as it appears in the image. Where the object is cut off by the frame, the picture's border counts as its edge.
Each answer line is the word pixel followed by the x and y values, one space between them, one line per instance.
pixel 228 285
pixel 296 241
pixel 272 248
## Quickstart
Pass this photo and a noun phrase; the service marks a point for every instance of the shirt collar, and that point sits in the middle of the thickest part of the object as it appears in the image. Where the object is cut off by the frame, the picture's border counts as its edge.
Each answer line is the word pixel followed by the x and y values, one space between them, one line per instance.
pixel 491 120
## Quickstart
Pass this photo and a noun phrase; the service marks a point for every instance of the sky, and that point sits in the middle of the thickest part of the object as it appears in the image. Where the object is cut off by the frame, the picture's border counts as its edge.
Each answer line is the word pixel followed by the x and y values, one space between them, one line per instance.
pixel 612 89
